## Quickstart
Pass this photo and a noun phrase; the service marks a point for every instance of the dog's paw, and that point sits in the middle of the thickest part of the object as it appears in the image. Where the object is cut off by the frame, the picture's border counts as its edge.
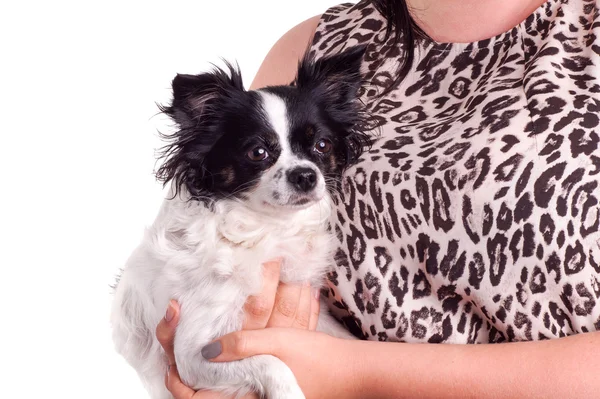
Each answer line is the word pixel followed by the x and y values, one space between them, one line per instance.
pixel 292 392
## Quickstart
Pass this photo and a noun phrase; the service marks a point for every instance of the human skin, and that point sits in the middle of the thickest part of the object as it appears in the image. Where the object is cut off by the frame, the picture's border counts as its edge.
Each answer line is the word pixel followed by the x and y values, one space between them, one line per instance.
pixel 277 306
pixel 332 367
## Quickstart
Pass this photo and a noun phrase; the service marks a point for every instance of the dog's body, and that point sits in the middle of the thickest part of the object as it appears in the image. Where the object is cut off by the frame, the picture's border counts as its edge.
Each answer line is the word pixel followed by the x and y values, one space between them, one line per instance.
pixel 210 262
pixel 206 246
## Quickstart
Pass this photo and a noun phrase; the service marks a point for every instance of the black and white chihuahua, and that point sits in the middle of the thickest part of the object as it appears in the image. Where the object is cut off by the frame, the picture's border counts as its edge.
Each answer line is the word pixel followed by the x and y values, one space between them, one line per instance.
pixel 251 174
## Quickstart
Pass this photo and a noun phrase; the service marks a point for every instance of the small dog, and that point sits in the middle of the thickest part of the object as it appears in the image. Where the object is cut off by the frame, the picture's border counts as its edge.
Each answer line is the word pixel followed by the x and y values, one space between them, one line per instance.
pixel 250 174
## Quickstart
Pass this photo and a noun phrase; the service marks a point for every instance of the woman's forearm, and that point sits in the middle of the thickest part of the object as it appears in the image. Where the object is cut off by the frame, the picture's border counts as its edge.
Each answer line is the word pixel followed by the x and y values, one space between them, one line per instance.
pixel 559 368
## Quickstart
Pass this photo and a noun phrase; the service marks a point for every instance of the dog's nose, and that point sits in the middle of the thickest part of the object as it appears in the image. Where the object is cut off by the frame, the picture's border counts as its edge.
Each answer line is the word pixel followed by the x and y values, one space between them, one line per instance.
pixel 303 179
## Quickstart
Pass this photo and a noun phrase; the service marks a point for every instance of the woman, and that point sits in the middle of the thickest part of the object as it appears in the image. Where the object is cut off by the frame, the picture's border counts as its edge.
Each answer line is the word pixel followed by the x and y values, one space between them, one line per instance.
pixel 473 219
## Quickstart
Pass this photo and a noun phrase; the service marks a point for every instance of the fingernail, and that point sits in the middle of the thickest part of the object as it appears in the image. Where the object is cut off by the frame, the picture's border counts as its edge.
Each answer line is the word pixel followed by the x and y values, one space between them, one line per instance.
pixel 316 293
pixel 212 350
pixel 170 313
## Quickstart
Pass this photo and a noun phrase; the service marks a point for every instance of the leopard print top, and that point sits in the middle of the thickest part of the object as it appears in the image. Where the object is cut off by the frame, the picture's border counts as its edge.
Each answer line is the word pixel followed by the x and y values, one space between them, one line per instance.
pixel 475 217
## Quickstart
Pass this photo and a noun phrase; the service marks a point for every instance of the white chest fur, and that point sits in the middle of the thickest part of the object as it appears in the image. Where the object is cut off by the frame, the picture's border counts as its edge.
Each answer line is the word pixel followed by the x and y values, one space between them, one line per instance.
pixel 231 241
pixel 210 261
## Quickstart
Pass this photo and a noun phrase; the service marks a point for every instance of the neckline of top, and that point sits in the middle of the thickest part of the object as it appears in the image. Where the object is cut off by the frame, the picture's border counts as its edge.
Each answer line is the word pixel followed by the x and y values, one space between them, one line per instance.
pixel 431 45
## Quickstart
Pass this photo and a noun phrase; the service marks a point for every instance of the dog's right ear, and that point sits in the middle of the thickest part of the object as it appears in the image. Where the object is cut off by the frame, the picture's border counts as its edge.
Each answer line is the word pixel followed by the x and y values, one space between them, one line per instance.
pixel 195 97
pixel 196 102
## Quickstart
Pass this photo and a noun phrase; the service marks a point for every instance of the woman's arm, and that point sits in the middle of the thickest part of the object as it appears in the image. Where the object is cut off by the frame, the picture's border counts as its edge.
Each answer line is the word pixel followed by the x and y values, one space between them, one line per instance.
pixel 330 367
pixel 560 368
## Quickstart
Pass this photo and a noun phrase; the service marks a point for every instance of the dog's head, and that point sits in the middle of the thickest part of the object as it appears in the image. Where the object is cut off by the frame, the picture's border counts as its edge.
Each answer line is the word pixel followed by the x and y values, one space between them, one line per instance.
pixel 277 147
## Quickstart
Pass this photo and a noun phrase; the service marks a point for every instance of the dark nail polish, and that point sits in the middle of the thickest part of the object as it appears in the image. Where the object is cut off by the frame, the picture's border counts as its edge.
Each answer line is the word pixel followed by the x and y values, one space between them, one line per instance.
pixel 212 350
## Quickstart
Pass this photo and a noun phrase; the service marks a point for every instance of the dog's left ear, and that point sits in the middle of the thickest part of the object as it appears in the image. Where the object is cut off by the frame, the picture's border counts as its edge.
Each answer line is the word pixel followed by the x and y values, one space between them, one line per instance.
pixel 334 81
pixel 337 75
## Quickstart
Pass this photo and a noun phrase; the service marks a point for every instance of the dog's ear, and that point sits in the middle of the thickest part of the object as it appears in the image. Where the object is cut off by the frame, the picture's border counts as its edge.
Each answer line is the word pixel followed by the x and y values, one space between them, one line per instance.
pixel 337 75
pixel 197 100
pixel 195 97
pixel 334 81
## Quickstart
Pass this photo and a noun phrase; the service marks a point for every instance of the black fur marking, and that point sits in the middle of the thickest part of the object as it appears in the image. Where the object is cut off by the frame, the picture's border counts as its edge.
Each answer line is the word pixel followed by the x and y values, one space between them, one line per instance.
pixel 220 122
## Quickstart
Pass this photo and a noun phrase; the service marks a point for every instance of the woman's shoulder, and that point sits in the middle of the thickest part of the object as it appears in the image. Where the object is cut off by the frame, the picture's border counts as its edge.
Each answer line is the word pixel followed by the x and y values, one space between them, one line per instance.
pixel 281 62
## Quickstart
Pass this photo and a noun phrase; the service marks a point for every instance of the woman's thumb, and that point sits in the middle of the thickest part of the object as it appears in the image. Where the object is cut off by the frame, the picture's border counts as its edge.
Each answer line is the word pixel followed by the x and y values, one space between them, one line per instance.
pixel 243 344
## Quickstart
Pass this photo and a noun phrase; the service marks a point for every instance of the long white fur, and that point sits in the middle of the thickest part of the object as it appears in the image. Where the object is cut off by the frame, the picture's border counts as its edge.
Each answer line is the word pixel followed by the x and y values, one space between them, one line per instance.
pixel 209 260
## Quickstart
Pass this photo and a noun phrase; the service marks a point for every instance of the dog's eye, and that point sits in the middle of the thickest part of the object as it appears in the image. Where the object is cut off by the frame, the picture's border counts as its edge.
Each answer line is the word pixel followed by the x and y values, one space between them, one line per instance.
pixel 323 146
pixel 257 154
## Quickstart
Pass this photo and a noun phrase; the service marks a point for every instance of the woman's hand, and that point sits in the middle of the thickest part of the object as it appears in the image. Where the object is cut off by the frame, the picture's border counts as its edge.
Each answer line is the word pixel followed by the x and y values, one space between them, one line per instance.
pixel 281 305
pixel 278 305
pixel 165 332
pixel 325 367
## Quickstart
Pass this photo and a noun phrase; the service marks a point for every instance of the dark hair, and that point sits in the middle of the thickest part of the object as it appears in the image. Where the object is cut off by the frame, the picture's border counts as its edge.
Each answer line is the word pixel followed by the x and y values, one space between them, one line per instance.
pixel 404 30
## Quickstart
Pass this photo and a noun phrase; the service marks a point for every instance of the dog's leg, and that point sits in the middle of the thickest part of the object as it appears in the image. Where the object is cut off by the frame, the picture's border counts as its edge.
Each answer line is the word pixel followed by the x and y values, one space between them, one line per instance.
pixel 275 377
pixel 135 340
pixel 155 385
pixel 264 374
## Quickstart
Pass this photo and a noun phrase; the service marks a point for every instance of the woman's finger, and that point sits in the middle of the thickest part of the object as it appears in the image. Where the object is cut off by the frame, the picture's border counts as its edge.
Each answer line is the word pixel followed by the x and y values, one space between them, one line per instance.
pixel 243 344
pixel 315 307
pixel 302 318
pixel 165 331
pixel 177 388
pixel 257 309
pixel 180 391
pixel 286 305
pixel 220 395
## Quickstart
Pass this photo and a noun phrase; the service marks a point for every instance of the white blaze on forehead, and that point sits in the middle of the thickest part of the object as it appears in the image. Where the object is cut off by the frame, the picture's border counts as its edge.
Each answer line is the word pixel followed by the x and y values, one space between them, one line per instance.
pixel 275 188
pixel 276 113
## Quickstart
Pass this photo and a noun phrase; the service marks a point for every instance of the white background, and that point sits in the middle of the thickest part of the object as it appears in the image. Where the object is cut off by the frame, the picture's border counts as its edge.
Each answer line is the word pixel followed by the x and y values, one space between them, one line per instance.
pixel 78 86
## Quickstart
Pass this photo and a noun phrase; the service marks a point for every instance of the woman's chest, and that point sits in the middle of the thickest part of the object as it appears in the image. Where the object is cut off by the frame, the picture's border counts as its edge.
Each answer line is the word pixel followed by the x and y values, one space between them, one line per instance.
pixel 476 212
